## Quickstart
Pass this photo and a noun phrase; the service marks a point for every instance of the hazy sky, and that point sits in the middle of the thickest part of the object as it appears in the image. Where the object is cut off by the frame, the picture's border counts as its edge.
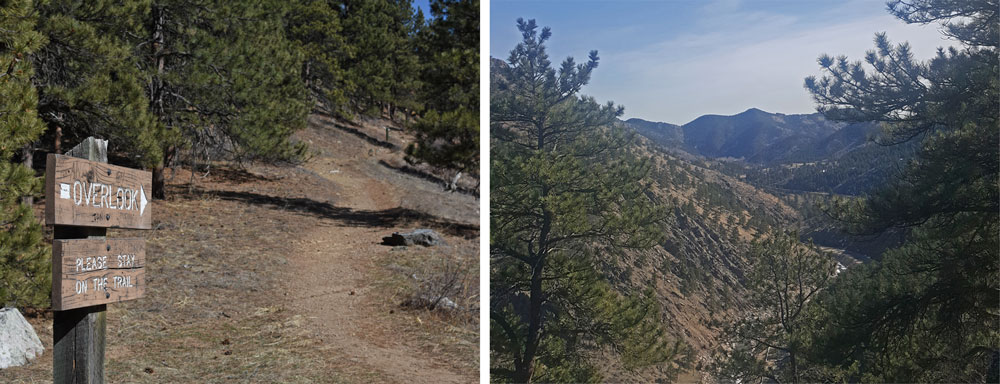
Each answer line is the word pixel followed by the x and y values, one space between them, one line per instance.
pixel 673 61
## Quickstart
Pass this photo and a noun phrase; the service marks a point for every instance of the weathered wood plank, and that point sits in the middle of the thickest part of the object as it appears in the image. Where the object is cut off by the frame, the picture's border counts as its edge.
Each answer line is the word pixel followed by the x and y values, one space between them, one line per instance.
pixel 89 272
pixel 87 193
pixel 79 334
pixel 79 337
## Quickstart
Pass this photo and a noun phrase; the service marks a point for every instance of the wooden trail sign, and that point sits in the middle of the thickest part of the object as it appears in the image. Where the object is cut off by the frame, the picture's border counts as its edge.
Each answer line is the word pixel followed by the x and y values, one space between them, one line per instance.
pixel 87 193
pixel 83 197
pixel 88 272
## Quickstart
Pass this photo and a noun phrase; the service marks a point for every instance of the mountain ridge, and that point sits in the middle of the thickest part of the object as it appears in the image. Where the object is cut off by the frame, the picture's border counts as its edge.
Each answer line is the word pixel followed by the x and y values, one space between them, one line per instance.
pixel 786 151
pixel 754 135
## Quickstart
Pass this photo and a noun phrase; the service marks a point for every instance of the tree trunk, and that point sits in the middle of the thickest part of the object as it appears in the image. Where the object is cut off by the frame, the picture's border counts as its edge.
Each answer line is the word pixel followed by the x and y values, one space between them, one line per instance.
pixel 27 158
pixel 159 181
pixel 158 184
pixel 159 60
pixel 156 97
pixel 453 186
pixel 305 74
pixel 526 368
pixel 795 367
pixel 993 369
pixel 57 144
pixel 524 371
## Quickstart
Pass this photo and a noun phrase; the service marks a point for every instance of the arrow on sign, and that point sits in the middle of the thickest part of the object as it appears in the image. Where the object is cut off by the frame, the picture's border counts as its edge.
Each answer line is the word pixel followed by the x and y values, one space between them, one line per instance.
pixel 142 200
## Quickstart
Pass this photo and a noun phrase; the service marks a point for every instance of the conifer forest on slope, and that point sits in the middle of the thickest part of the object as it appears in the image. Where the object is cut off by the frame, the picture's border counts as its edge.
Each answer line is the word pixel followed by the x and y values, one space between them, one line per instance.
pixel 858 244
pixel 285 139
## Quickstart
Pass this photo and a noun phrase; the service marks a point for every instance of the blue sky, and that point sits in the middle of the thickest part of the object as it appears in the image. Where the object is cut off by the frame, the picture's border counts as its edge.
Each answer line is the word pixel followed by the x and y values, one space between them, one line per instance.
pixel 673 61
pixel 424 6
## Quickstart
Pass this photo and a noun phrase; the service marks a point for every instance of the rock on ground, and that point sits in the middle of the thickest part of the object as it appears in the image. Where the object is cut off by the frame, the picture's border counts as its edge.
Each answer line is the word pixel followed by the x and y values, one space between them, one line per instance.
pixel 18 341
pixel 425 237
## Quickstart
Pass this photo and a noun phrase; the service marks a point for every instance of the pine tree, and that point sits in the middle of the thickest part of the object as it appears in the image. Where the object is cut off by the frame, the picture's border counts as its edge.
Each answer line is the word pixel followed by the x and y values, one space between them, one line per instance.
pixel 267 100
pixel 567 190
pixel 317 26
pixel 930 309
pixel 88 79
pixel 765 343
pixel 447 134
pixel 25 278
pixel 224 81
pixel 382 66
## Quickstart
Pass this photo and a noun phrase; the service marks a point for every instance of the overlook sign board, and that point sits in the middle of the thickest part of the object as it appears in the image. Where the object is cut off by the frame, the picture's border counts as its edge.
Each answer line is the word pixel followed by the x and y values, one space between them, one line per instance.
pixel 88 272
pixel 84 196
pixel 87 193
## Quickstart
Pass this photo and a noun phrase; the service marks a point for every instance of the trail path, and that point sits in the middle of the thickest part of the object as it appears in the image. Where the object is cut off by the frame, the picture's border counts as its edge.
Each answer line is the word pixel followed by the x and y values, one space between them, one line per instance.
pixel 329 273
pixel 274 274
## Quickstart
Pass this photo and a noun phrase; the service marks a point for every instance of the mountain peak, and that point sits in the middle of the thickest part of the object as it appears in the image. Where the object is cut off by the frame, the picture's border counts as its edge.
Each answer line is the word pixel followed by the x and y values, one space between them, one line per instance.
pixel 754 111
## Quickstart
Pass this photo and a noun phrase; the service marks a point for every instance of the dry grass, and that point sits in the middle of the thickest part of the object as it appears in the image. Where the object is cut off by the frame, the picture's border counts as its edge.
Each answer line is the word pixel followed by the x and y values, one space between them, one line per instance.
pixel 219 304
pixel 214 306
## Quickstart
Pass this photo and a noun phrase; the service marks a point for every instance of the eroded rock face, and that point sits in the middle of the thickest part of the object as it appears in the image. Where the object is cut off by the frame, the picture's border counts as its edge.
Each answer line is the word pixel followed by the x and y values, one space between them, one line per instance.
pixel 425 237
pixel 18 341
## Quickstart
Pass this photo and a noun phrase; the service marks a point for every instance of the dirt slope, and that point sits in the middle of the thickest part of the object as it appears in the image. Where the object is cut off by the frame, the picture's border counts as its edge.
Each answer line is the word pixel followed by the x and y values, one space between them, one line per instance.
pixel 276 274
pixel 331 277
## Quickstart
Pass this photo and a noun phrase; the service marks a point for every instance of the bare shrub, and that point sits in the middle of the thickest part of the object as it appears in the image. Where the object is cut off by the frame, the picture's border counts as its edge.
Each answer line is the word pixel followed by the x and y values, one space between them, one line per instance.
pixel 444 285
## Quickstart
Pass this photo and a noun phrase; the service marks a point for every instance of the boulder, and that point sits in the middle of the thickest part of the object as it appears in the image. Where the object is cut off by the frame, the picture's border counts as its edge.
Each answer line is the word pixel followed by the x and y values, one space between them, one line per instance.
pixel 18 341
pixel 425 237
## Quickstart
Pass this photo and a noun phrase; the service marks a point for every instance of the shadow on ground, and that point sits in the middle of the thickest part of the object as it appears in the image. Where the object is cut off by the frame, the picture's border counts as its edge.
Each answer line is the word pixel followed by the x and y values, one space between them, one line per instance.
pixel 355 218
pixel 354 131
pixel 427 176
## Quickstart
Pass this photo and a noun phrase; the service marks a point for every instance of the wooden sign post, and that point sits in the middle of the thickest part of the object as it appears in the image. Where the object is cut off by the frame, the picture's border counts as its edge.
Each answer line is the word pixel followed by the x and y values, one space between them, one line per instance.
pixel 83 197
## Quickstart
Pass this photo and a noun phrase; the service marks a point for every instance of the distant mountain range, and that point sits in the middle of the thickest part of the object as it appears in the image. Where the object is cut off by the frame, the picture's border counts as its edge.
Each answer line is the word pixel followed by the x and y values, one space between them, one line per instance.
pixel 804 152
pixel 759 137
pixel 800 158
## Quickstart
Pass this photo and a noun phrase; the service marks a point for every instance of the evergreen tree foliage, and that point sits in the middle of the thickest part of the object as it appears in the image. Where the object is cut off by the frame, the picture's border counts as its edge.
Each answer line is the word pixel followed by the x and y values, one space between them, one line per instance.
pixel 25 276
pixel 88 79
pixel 447 133
pixel 766 343
pixel 215 78
pixel 224 80
pixel 317 26
pixel 930 310
pixel 267 101
pixel 381 65
pixel 567 190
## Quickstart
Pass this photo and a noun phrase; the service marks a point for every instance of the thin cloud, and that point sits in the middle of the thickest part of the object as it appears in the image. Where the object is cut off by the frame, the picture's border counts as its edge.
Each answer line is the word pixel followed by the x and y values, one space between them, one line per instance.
pixel 675 61
pixel 677 80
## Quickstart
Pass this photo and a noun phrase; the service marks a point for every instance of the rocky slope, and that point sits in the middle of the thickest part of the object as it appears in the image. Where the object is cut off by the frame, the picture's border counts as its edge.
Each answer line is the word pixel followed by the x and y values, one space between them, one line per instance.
pixel 697 274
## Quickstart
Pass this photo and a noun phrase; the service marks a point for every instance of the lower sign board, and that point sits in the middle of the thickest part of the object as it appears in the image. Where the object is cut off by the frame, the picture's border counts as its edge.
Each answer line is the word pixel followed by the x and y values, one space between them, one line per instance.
pixel 88 272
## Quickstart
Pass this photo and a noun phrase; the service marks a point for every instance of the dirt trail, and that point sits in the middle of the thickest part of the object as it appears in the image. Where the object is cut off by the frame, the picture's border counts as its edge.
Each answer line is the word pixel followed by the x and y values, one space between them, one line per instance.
pixel 330 271
pixel 275 274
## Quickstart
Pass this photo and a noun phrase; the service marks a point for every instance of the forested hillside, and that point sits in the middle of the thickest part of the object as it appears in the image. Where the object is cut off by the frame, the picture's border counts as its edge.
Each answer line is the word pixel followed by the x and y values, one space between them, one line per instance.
pixel 285 140
pixel 793 153
pixel 642 251
pixel 698 272
pixel 195 82
pixel 925 308
pixel 805 160
pixel 653 275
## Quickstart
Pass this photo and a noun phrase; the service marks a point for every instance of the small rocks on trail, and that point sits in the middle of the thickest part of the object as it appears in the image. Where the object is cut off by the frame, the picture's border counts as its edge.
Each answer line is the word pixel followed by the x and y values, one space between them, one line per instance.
pixel 425 237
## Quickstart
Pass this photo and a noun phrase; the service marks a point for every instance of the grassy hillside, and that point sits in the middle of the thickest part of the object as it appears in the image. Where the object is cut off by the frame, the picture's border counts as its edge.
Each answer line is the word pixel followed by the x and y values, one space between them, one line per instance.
pixel 697 274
